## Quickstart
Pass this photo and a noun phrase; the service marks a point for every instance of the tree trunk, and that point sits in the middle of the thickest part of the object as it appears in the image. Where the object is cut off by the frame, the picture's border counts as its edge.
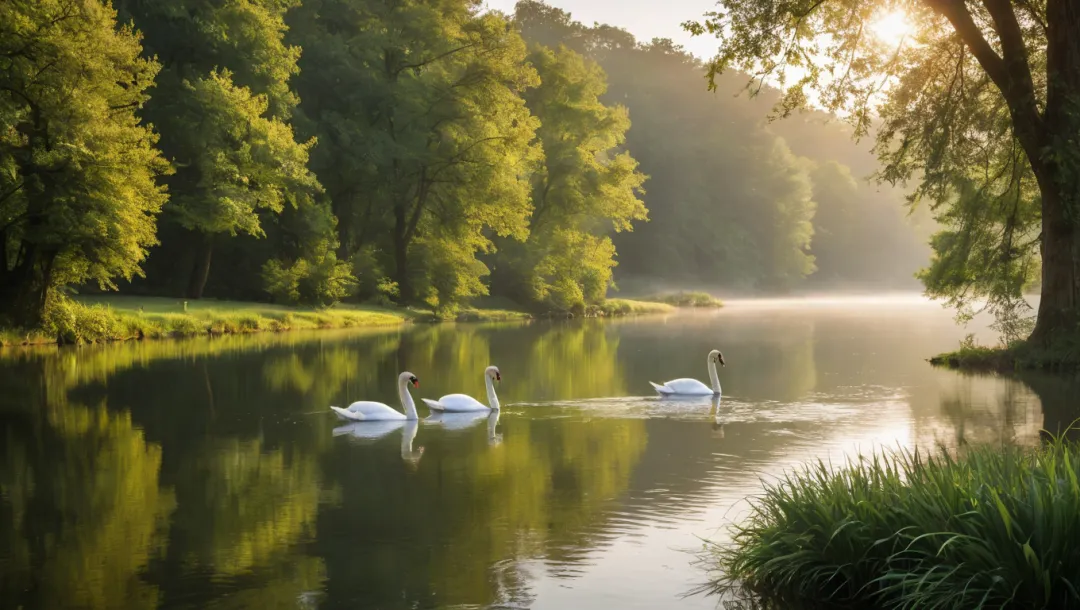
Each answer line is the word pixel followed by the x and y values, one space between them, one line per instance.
pixel 401 264
pixel 26 288
pixel 1057 167
pixel 200 272
pixel 1058 306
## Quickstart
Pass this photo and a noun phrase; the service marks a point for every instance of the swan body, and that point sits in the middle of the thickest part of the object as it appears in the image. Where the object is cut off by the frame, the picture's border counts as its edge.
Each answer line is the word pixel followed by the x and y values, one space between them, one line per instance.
pixel 463 403
pixel 366 410
pixel 692 387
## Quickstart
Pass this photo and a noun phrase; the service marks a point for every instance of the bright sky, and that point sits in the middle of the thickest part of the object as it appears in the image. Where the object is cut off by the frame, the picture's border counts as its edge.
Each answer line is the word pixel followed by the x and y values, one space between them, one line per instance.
pixel 645 19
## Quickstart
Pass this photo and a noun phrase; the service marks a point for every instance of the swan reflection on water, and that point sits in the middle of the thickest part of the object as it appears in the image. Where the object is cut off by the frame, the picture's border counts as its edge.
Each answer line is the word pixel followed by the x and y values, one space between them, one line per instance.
pixel 464 421
pixel 375 430
pixel 457 421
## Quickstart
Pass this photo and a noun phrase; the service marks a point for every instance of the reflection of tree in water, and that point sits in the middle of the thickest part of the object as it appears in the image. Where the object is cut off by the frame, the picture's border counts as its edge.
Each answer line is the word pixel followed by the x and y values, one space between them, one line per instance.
pixel 976 409
pixel 1058 397
pixel 324 372
pixel 242 510
pixel 572 360
pixel 88 515
pixel 240 503
pixel 81 512
pixel 452 532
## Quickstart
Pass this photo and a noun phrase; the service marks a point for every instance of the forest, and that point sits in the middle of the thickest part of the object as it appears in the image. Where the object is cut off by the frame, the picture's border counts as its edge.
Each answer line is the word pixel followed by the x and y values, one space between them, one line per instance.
pixel 414 152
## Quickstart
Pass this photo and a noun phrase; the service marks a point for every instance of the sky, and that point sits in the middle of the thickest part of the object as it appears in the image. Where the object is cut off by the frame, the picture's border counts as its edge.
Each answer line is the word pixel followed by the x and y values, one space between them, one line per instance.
pixel 645 19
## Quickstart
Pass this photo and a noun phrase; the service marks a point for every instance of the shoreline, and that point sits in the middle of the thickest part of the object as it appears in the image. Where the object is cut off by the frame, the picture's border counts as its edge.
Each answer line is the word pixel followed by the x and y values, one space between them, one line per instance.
pixel 119 319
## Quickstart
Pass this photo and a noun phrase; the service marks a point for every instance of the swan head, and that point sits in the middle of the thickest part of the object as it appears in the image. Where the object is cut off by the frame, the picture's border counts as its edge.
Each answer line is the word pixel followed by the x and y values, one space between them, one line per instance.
pixel 716 356
pixel 408 378
pixel 493 372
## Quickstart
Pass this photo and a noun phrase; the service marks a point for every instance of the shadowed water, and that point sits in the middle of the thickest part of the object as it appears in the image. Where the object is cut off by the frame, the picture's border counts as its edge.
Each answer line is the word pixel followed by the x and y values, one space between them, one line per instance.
pixel 211 474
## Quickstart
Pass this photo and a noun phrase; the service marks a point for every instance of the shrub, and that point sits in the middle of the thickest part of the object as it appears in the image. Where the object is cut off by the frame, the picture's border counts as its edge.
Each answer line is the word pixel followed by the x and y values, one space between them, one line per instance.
pixel 687 299
pixel 998 527
pixel 320 280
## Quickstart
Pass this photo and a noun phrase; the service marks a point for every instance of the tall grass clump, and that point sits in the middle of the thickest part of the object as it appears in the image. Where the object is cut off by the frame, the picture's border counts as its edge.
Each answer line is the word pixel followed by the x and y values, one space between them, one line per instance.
pixel 687 299
pixel 627 307
pixel 997 527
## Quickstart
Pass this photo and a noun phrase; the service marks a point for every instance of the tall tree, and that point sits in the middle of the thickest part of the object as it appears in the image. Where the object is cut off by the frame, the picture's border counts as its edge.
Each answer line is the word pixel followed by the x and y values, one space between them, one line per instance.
pixel 79 194
pixel 222 102
pixel 982 107
pixel 584 189
pixel 426 138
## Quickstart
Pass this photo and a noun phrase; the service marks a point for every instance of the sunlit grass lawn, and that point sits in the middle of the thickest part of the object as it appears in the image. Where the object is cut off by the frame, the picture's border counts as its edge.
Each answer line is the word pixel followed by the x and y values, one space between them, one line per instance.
pixel 117 318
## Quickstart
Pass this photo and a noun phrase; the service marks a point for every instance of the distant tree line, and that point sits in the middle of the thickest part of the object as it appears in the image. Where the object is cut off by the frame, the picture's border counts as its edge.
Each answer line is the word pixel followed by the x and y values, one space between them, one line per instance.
pixel 415 151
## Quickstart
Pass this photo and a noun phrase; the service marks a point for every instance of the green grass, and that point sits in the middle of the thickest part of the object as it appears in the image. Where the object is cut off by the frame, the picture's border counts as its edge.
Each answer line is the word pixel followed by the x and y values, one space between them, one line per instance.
pixel 687 299
pixel 996 527
pixel 119 318
pixel 1062 356
pixel 628 307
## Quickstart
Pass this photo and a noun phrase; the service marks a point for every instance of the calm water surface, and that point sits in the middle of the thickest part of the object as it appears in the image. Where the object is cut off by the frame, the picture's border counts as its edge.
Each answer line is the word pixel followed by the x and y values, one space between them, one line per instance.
pixel 210 473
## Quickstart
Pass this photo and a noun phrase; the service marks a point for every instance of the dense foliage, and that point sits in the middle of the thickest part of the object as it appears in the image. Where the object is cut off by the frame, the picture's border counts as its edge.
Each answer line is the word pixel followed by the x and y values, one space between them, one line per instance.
pixel 78 172
pixel 419 151
pixel 995 528
pixel 977 104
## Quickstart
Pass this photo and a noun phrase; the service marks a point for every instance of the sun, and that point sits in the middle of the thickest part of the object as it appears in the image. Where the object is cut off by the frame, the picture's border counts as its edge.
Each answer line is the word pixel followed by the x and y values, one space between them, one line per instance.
pixel 891 27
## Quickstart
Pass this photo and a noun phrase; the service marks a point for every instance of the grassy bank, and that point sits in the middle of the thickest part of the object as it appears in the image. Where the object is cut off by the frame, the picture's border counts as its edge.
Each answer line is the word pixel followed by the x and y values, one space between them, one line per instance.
pixel 120 318
pixel 1063 356
pixel 687 299
pixel 998 527
pixel 627 307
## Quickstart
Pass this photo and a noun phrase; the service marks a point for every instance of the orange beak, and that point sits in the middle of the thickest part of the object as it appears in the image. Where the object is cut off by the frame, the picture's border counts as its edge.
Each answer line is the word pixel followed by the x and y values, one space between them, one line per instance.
pixel 416 383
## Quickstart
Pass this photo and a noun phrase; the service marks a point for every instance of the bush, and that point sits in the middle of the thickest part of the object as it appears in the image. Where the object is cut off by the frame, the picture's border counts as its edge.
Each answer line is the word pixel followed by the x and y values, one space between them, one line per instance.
pixel 998 527
pixel 321 280
pixel 687 299
pixel 73 322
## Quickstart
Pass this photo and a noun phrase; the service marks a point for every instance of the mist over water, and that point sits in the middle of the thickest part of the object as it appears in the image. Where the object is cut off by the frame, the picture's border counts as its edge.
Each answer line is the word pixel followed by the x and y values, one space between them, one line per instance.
pixel 211 474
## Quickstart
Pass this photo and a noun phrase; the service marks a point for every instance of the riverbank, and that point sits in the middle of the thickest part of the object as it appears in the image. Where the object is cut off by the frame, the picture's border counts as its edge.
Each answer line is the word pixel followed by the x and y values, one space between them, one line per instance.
pixel 123 318
pixel 1063 357
pixel 995 527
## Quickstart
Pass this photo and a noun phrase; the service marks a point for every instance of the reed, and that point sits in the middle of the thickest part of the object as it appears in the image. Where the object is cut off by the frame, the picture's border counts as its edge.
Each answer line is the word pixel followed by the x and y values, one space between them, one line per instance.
pixel 996 527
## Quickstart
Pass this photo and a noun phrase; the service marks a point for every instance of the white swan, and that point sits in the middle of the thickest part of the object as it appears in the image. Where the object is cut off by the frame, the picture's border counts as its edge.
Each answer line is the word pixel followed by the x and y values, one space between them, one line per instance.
pixel 693 387
pixel 366 410
pixel 463 403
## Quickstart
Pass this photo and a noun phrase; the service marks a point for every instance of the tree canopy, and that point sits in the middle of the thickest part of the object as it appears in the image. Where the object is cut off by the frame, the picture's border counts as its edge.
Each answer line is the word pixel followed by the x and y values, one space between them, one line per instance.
pixel 421 152
pixel 975 103
pixel 79 189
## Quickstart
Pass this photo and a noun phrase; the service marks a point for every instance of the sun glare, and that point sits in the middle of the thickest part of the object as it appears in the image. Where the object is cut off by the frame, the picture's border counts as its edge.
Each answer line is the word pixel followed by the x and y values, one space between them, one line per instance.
pixel 891 27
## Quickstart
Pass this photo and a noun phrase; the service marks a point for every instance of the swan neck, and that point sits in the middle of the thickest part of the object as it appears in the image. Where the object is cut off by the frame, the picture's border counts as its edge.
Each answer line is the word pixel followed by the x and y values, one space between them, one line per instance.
pixel 493 400
pixel 714 377
pixel 406 399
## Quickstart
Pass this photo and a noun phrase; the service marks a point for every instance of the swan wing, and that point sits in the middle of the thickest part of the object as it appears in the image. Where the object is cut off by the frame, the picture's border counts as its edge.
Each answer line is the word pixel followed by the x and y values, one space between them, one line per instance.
pixel 459 403
pixel 687 386
pixel 663 389
pixel 364 410
pixel 347 415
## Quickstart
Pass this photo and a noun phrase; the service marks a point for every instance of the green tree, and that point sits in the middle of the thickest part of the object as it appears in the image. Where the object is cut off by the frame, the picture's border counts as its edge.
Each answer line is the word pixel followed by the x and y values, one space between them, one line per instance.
pixel 426 140
pixel 79 195
pixel 222 102
pixel 982 109
pixel 584 188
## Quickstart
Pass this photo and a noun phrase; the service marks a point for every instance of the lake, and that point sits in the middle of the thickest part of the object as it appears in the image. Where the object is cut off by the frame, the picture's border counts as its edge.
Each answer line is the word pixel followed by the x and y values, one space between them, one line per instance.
pixel 210 473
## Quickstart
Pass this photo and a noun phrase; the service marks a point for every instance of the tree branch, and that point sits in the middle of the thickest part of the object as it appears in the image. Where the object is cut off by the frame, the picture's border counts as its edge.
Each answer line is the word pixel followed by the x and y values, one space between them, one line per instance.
pixel 1011 74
